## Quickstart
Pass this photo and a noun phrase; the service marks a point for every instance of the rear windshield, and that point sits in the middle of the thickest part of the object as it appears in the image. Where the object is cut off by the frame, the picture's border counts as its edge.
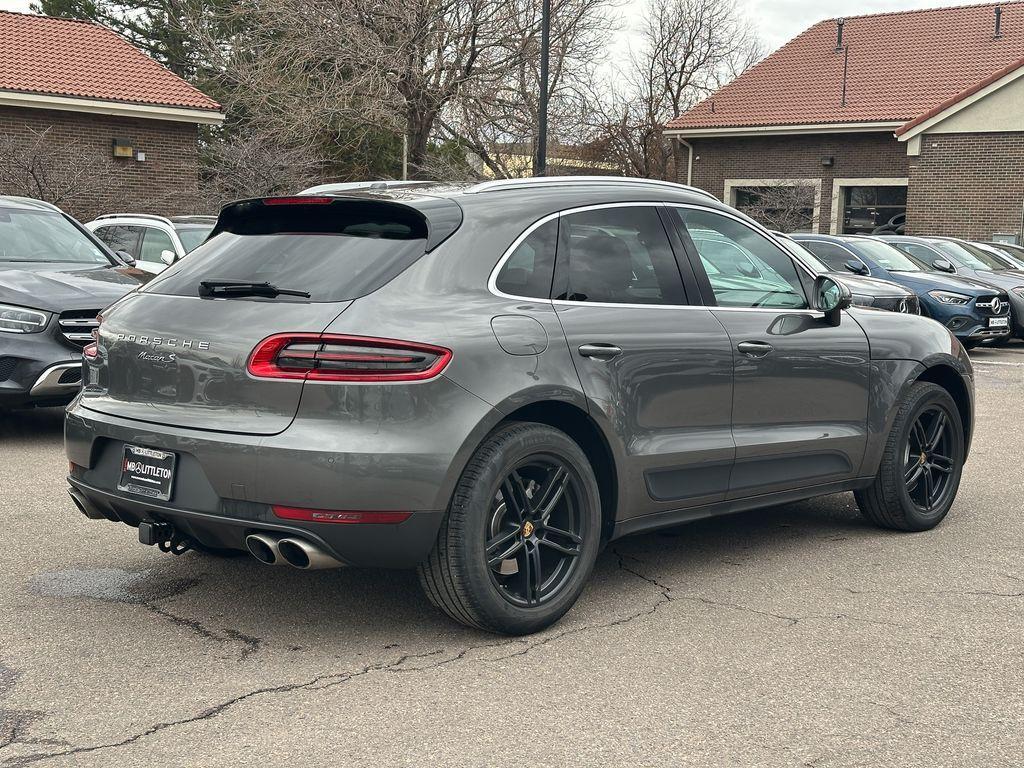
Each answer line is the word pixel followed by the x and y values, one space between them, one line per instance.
pixel 330 267
pixel 45 236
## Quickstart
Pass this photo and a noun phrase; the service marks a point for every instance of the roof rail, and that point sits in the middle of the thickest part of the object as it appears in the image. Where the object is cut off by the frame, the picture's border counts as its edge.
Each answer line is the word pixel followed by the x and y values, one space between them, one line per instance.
pixel 189 217
pixel 151 216
pixel 34 201
pixel 500 184
pixel 346 186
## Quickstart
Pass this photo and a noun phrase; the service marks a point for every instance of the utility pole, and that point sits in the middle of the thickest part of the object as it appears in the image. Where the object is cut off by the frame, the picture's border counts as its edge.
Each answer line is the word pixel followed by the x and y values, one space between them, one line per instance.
pixel 540 161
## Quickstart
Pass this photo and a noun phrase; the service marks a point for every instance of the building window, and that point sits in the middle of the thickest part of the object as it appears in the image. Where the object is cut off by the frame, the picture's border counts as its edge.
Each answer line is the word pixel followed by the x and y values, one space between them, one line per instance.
pixel 784 205
pixel 866 209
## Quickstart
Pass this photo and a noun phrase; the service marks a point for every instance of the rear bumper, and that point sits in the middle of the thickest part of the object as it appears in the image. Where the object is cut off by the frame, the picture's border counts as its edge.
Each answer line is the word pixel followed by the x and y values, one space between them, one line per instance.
pixel 379 449
pixel 401 545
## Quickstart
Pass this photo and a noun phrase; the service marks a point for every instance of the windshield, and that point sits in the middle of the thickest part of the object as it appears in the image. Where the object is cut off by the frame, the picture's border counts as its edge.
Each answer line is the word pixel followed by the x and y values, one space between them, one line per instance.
pixel 45 236
pixel 192 236
pixel 973 258
pixel 887 256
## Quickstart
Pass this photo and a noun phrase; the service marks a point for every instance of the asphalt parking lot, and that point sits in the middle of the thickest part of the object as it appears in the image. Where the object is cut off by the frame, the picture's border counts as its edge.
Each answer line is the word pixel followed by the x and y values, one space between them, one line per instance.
pixel 797 635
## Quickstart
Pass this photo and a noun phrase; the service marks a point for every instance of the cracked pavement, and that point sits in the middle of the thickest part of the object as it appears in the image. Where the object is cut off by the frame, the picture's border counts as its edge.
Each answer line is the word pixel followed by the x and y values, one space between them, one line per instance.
pixel 792 636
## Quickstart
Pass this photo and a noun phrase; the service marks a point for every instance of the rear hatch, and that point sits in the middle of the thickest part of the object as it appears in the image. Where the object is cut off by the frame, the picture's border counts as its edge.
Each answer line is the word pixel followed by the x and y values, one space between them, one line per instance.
pixel 176 353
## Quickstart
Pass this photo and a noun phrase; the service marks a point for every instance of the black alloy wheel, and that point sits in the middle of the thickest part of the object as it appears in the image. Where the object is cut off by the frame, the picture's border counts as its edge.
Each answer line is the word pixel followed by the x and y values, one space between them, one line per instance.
pixel 929 459
pixel 535 535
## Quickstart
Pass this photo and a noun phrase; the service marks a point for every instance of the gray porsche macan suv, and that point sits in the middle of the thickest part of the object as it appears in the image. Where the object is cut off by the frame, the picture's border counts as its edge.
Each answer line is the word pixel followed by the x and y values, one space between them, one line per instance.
pixel 489 382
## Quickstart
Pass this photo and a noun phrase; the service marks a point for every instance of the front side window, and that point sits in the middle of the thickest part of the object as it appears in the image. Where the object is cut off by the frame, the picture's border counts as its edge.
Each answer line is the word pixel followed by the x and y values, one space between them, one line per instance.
pixel 765 276
pixel 155 242
pixel 618 256
pixel 45 236
pixel 121 238
pixel 528 271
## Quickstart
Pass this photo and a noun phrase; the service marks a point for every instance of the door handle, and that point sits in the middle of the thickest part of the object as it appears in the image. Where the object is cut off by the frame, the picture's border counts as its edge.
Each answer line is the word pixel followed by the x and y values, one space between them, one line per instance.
pixel 600 351
pixel 754 348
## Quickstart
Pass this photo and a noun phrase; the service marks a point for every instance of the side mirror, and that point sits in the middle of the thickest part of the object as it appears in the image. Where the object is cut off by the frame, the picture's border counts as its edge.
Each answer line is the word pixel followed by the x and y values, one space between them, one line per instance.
pixel 125 258
pixel 944 266
pixel 831 297
pixel 857 267
pixel 167 257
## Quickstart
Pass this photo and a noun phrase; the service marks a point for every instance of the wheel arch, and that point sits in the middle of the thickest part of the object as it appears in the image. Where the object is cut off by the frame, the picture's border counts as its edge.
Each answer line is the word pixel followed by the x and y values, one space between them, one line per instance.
pixel 951 380
pixel 566 412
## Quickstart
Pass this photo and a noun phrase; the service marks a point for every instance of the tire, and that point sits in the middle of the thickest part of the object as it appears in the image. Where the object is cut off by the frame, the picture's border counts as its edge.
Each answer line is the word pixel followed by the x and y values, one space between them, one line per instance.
pixel 480 569
pixel 896 499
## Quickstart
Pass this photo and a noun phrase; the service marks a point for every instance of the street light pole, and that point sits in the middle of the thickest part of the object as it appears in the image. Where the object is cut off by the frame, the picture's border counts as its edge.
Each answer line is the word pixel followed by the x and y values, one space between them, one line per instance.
pixel 540 161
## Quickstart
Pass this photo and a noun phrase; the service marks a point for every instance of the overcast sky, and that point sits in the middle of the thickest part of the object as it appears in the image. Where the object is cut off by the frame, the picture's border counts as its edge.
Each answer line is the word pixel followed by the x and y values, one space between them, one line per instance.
pixel 777 20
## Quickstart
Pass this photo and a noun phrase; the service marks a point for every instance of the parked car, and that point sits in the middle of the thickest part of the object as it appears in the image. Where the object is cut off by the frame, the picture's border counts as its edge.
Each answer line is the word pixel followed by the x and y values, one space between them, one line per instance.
pixel 965 260
pixel 974 311
pixel 156 242
pixel 490 381
pixel 55 277
pixel 867 291
pixel 1003 253
pixel 1014 251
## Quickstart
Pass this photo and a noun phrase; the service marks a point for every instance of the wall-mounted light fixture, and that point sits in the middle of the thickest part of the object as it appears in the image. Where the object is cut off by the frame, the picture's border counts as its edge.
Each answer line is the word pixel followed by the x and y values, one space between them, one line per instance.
pixel 123 148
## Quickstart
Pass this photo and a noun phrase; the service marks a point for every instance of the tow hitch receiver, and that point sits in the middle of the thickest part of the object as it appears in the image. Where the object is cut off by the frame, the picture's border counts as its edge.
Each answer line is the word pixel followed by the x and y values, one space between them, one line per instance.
pixel 163 535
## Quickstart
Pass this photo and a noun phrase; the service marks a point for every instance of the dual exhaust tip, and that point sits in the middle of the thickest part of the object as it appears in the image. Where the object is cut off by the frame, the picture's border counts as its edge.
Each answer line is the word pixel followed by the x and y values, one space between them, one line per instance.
pixel 298 553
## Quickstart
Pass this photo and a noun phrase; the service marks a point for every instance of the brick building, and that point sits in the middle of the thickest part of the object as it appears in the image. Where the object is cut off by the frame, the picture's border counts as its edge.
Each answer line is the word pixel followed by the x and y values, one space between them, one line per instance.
pixel 91 123
pixel 918 113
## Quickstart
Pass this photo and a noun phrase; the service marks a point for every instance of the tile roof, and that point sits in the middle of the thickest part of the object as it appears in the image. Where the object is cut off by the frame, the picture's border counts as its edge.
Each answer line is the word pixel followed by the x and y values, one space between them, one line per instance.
pixel 40 54
pixel 899 66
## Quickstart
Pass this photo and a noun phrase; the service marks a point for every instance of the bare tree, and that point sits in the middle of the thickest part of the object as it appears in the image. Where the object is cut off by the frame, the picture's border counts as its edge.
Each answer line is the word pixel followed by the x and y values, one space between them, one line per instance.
pixel 688 49
pixel 59 171
pixel 785 206
pixel 337 76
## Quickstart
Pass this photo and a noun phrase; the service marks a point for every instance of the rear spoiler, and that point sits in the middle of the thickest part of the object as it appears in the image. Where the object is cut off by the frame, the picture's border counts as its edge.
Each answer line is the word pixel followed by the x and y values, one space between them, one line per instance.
pixel 433 219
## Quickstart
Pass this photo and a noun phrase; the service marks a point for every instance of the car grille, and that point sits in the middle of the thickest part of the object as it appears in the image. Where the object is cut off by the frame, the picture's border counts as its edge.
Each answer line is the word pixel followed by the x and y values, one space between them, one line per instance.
pixel 76 326
pixel 909 304
pixel 71 376
pixel 7 366
pixel 993 305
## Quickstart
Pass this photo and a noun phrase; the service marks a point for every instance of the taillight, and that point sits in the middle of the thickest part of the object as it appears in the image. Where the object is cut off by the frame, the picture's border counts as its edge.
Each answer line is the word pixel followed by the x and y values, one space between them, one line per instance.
pixel 339 516
pixel 324 357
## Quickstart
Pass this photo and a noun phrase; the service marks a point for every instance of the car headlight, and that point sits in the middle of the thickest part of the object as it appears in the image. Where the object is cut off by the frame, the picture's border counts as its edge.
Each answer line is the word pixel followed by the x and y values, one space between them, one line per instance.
pixel 945 297
pixel 863 301
pixel 21 320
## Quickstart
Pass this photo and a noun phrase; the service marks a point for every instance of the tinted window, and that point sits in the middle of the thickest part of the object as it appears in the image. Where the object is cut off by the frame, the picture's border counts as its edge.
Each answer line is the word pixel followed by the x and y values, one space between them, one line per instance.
pixel 45 236
pixel 153 243
pixel 528 271
pixel 744 267
pixel 618 256
pixel 834 256
pixel 121 238
pixel 328 267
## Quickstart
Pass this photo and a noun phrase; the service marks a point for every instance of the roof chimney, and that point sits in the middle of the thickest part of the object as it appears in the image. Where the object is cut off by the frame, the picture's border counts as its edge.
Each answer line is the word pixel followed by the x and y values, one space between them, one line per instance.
pixel 999 22
pixel 839 33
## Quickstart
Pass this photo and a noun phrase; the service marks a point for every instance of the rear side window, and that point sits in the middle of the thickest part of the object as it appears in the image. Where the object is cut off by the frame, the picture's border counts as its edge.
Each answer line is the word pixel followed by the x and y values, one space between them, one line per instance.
pixel 333 252
pixel 529 269
pixel 618 256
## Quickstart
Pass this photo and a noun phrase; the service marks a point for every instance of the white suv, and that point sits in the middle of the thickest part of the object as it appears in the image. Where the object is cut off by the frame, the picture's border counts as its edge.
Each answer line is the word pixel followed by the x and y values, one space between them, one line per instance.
pixel 155 241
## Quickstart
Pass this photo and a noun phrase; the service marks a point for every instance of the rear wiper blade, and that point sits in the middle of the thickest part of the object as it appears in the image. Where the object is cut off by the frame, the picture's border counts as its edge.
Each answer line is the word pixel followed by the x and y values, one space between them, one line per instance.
pixel 210 288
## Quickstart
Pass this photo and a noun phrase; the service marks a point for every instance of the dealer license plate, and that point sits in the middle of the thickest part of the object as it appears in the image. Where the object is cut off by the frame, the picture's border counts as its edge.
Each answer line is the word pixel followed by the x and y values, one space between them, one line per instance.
pixel 999 322
pixel 147 472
